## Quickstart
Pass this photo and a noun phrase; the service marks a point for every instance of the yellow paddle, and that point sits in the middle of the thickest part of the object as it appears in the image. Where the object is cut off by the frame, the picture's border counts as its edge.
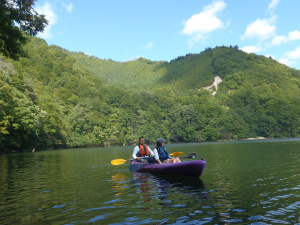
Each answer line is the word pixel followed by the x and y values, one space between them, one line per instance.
pixel 122 161
pixel 176 154
pixel 118 161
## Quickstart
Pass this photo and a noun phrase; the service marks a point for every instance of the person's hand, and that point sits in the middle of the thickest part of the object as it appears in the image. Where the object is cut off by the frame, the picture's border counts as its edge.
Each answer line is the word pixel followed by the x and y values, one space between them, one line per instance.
pixel 138 158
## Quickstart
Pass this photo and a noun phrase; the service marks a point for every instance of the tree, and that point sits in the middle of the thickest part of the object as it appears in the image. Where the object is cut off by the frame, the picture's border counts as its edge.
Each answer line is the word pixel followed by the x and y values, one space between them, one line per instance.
pixel 17 16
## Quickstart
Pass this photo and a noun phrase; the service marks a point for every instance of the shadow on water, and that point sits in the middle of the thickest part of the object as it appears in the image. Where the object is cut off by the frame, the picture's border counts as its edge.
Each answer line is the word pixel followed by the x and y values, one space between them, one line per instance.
pixel 163 185
pixel 169 180
pixel 194 183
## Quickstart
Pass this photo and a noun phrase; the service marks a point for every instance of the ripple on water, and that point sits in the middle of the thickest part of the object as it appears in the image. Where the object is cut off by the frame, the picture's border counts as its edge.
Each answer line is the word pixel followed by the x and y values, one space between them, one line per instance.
pixel 238 210
pixel 106 207
pixel 100 217
pixel 232 221
pixel 281 215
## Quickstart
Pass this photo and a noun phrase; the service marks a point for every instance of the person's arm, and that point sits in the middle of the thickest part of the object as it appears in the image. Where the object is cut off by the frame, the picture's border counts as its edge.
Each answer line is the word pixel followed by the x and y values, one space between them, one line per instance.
pixel 151 152
pixel 156 156
pixel 135 152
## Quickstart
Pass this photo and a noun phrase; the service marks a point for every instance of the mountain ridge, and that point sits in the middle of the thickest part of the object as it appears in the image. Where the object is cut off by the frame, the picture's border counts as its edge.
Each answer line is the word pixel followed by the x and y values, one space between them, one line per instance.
pixel 198 69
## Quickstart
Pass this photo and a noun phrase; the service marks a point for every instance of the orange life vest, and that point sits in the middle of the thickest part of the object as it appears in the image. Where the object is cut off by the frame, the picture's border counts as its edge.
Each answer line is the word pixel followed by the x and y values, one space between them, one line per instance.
pixel 144 151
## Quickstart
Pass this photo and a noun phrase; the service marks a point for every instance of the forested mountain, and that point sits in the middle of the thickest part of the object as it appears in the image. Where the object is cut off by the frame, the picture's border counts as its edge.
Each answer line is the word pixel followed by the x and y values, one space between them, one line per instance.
pixel 185 72
pixel 56 98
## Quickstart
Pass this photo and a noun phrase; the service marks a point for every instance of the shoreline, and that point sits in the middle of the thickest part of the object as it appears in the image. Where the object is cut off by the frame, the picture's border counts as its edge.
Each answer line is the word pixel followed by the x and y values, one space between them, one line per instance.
pixel 257 138
pixel 231 140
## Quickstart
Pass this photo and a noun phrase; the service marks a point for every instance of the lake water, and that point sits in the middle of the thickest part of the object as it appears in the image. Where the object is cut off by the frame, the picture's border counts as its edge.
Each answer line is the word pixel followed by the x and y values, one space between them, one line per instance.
pixel 245 182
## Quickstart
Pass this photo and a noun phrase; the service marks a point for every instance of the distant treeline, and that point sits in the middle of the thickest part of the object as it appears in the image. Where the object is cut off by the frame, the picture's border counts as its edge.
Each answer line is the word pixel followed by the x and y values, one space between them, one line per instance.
pixel 206 49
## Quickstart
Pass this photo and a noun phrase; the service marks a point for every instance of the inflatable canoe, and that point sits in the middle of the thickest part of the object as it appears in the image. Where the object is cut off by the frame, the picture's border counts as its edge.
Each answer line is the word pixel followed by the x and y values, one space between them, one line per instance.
pixel 192 168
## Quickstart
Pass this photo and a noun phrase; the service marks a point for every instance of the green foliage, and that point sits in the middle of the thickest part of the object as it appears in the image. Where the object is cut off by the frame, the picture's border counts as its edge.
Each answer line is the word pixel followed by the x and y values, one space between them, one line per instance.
pixel 54 98
pixel 17 16
pixel 19 115
pixel 138 74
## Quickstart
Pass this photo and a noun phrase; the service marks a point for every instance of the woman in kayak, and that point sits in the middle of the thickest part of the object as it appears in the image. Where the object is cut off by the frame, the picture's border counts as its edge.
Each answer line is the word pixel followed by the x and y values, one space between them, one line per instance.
pixel 162 152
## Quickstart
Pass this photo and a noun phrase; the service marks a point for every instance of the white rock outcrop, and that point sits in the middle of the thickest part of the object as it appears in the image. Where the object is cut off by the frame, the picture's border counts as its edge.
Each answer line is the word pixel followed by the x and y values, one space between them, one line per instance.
pixel 217 81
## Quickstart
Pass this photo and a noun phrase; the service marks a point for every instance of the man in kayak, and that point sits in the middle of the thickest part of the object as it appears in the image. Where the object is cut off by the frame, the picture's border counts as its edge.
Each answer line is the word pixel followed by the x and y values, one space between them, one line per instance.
pixel 164 156
pixel 144 154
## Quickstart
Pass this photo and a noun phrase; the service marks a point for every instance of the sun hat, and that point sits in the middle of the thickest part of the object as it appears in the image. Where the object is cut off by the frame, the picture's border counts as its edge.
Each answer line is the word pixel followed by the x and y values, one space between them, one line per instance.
pixel 160 141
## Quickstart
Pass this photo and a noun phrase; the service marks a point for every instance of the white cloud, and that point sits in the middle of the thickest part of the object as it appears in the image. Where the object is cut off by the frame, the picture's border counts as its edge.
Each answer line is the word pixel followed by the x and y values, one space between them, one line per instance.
pixel 251 49
pixel 279 40
pixel 293 35
pixel 272 5
pixel 134 58
pixel 47 10
pixel 291 57
pixel 260 29
pixel 294 54
pixel 199 25
pixel 69 7
pixel 149 45
pixel 89 55
pixel 287 62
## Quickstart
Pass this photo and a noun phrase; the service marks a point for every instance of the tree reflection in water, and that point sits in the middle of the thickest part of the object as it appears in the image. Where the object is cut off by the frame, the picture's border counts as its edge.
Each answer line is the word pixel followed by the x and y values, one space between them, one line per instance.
pixel 162 187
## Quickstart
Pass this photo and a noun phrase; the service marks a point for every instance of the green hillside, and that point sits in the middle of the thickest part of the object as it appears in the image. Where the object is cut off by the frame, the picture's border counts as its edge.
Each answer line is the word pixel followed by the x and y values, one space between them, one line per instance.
pixel 131 74
pixel 60 99
pixel 192 71
pixel 143 73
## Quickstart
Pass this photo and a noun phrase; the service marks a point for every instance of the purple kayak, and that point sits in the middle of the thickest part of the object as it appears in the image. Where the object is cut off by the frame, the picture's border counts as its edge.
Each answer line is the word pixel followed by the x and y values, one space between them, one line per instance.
pixel 192 168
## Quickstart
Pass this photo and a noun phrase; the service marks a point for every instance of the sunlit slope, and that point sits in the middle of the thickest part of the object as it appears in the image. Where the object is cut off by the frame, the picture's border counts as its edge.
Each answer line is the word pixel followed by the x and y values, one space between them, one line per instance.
pixel 192 71
pixel 184 72
pixel 141 72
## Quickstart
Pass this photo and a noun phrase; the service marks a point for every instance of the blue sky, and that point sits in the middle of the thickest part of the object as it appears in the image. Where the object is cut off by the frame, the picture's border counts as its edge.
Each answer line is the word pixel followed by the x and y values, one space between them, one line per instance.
pixel 124 30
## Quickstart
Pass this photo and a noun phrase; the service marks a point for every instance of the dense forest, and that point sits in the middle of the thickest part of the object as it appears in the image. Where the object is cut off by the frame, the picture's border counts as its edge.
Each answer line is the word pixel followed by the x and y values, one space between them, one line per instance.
pixel 54 98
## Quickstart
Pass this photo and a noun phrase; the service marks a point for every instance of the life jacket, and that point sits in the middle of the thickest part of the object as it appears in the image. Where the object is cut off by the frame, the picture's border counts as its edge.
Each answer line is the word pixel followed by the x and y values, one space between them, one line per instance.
pixel 163 153
pixel 144 151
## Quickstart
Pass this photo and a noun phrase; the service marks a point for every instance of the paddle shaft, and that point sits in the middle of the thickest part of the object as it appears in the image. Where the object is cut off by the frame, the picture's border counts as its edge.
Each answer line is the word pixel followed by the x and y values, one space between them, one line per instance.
pixel 191 155
pixel 122 161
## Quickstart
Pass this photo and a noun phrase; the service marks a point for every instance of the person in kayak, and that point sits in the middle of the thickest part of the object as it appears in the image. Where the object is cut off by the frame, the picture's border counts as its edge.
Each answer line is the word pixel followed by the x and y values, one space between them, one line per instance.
pixel 143 153
pixel 162 152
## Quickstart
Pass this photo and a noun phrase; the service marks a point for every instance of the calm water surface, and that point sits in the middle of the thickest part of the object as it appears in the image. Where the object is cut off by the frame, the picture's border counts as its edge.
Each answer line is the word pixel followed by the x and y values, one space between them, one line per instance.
pixel 249 182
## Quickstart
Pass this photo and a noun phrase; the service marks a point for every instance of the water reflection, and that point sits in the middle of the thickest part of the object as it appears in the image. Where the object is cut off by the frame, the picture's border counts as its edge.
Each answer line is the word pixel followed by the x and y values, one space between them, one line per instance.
pixel 119 181
pixel 119 187
pixel 161 187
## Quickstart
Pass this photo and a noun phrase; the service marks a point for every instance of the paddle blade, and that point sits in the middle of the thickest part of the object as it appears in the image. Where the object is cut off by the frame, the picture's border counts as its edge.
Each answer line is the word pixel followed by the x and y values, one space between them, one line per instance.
pixel 118 161
pixel 136 167
pixel 176 154
pixel 190 156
